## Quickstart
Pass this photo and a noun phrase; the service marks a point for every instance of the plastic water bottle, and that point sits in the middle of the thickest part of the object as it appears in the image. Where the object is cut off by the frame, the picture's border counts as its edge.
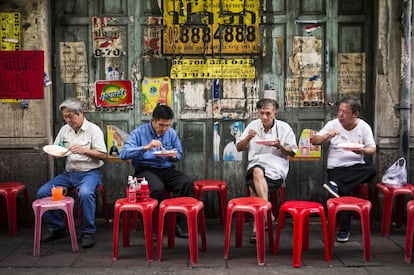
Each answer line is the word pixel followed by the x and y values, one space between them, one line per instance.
pixel 132 195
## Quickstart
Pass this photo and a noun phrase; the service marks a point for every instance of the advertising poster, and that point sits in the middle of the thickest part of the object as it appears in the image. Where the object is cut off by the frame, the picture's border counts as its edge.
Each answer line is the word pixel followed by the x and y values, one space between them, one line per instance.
pixel 155 90
pixel 113 93
pixel 307 151
pixel 114 142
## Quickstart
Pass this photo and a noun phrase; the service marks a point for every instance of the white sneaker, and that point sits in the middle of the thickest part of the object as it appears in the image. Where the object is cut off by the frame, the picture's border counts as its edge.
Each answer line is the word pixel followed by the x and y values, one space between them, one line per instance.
pixel 332 188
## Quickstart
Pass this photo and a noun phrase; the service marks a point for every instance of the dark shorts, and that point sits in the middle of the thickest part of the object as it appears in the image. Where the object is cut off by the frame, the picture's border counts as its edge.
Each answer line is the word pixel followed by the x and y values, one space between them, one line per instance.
pixel 273 185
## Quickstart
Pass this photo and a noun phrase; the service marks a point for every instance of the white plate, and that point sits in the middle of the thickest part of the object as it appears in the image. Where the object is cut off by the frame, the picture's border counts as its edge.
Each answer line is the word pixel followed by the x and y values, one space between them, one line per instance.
pixel 167 153
pixel 351 146
pixel 55 150
pixel 265 142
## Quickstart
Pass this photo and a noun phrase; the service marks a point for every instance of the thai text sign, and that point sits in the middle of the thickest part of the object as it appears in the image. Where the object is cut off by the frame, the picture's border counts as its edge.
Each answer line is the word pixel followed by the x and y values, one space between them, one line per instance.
pixel 207 27
pixel 113 93
pixel 21 74
pixel 213 68
pixel 351 73
pixel 10 31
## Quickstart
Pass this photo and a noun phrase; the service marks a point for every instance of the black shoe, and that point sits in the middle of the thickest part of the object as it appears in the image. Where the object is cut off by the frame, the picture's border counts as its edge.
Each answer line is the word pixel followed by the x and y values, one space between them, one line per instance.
pixel 87 240
pixel 181 231
pixel 55 235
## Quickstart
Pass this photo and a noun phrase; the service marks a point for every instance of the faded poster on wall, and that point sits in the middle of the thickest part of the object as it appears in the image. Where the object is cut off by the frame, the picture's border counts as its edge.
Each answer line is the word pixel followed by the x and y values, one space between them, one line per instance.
pixel 85 92
pixel 292 92
pixel 230 152
pixel 152 37
pixel 307 57
pixel 106 39
pixel 73 62
pixel 311 92
pixel 351 73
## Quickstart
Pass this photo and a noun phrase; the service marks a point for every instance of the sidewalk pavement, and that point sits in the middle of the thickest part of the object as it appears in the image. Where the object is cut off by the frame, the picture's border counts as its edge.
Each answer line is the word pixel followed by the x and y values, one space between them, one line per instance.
pixel 387 254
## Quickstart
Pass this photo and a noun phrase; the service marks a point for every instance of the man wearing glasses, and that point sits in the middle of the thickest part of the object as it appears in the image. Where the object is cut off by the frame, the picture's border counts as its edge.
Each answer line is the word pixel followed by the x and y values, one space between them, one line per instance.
pixel 269 143
pixel 154 148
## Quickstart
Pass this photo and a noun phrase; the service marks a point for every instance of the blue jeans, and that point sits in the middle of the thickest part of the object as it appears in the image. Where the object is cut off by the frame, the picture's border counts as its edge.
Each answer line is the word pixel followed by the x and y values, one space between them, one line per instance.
pixel 86 183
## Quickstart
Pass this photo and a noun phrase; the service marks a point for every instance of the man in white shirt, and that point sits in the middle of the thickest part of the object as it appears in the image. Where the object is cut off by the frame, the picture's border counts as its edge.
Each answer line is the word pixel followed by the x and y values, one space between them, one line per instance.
pixel 269 143
pixel 350 140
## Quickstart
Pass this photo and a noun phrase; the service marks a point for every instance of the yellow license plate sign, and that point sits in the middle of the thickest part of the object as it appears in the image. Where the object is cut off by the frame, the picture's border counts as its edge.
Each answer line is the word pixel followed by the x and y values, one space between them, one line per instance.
pixel 211 27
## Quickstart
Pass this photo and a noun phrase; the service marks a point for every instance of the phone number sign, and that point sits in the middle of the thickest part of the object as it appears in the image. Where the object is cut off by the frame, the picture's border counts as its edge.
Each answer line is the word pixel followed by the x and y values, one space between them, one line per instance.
pixel 241 68
pixel 207 27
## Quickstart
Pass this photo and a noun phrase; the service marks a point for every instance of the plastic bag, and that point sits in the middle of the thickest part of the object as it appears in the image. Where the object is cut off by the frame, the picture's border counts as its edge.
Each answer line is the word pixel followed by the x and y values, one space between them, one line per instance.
pixel 396 175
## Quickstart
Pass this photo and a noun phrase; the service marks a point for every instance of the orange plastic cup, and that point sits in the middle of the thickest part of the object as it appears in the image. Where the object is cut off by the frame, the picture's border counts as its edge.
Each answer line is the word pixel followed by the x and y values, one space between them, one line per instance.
pixel 58 193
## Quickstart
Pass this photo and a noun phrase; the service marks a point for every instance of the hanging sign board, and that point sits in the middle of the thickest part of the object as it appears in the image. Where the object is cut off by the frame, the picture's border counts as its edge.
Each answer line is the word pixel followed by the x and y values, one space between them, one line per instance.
pixel 113 93
pixel 242 68
pixel 207 27
pixel 21 74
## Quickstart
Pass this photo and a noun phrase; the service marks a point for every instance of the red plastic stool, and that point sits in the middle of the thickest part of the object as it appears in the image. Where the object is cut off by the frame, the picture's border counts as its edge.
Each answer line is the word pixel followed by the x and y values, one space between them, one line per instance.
pixel 42 205
pixel 273 199
pixel 409 245
pixel 193 209
pixel 300 211
pixel 146 208
pixel 258 207
pixel 213 185
pixel 9 191
pixel 389 194
pixel 100 188
pixel 348 203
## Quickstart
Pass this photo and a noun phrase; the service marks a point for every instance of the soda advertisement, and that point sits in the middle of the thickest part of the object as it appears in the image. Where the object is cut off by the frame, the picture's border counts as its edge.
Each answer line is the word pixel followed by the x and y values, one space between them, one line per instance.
pixel 113 93
pixel 155 90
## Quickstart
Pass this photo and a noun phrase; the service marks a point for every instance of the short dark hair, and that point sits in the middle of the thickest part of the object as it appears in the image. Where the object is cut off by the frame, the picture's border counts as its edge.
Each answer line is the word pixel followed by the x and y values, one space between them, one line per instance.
pixel 353 102
pixel 267 101
pixel 162 112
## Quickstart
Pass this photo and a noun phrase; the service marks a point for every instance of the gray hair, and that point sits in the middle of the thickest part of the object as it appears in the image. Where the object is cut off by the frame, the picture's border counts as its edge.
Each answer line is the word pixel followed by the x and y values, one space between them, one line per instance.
pixel 73 104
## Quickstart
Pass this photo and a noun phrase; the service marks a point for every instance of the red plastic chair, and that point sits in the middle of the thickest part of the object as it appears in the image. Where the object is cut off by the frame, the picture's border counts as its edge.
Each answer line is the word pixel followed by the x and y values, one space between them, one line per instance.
pixel 273 200
pixel 300 211
pixel 389 195
pixel 348 203
pixel 10 190
pixel 409 245
pixel 146 208
pixel 42 205
pixel 193 209
pixel 201 186
pixel 100 188
pixel 259 208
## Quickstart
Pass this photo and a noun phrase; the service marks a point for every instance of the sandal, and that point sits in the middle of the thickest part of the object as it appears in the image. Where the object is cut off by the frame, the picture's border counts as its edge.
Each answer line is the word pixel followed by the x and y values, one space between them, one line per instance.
pixel 253 237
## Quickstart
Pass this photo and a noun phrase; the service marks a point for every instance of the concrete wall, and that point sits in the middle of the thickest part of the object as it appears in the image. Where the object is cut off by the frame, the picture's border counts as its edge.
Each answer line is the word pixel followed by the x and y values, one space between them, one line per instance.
pixel 387 83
